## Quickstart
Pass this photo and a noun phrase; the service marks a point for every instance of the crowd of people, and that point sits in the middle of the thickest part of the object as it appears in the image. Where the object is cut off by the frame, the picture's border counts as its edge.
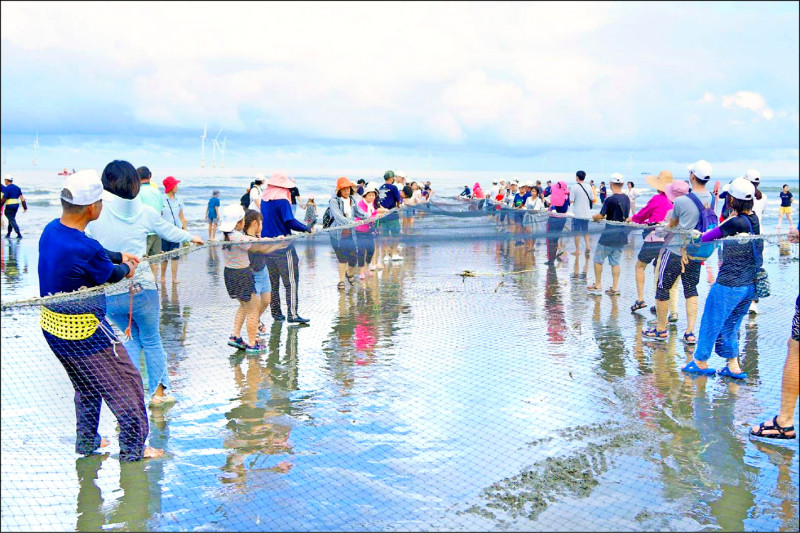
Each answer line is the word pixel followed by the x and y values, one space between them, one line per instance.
pixel 110 222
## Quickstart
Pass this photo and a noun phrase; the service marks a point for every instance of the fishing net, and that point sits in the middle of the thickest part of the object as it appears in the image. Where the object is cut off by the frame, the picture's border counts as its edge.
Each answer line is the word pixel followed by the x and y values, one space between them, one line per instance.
pixel 468 382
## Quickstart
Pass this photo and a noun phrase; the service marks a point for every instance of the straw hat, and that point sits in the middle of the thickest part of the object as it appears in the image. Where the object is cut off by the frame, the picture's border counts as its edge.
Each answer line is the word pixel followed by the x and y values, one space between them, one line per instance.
pixel 663 179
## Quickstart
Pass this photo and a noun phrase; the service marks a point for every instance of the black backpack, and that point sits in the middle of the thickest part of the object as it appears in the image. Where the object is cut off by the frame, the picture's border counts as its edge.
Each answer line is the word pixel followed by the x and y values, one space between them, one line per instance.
pixel 245 200
pixel 327 218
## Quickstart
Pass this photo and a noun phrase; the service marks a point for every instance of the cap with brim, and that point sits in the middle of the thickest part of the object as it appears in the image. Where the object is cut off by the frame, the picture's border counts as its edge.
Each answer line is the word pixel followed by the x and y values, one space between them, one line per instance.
pixel 663 179
pixel 388 174
pixel 9 177
pixel 85 188
pixel 231 215
pixel 701 170
pixel 753 176
pixel 280 179
pixel 400 174
pixel 676 189
pixel 742 189
pixel 617 179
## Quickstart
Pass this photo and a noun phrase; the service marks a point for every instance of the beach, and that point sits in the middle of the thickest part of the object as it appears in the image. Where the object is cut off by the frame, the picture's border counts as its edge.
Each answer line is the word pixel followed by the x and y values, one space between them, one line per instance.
pixel 422 399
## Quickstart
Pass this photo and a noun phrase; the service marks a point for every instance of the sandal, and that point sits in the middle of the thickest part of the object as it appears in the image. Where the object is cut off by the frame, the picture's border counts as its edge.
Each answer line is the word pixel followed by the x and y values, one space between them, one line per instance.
pixel 594 289
pixel 689 338
pixel 351 279
pixel 612 292
pixel 782 431
pixel 673 317
pixel 261 327
pixel 340 285
pixel 655 334
pixel 726 372
pixel 692 368
pixel 236 342
pixel 638 304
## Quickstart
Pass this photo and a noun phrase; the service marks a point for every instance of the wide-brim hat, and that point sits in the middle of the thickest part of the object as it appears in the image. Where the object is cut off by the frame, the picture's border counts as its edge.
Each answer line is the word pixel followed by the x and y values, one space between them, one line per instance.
pixel 370 187
pixel 231 215
pixel 344 183
pixel 280 179
pixel 170 183
pixel 663 179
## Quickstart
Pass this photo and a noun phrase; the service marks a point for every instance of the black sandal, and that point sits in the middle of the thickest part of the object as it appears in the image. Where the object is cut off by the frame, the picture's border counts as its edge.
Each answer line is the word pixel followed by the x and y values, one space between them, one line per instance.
pixel 639 304
pixel 351 279
pixel 782 431
pixel 340 285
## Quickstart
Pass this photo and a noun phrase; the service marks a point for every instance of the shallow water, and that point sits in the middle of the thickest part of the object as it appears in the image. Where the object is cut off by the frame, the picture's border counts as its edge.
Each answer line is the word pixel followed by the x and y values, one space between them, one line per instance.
pixel 420 400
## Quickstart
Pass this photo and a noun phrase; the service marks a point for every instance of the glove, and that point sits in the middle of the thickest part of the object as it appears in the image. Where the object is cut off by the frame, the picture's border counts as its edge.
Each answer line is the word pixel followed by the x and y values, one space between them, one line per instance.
pixel 695 236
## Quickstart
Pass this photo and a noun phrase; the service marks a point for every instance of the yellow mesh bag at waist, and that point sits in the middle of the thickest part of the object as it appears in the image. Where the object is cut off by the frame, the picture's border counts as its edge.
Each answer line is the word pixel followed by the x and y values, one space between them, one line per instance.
pixel 69 327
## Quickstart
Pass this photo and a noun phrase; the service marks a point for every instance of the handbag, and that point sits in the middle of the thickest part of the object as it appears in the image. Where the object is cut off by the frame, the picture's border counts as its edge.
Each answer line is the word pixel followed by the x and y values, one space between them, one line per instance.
pixel 762 280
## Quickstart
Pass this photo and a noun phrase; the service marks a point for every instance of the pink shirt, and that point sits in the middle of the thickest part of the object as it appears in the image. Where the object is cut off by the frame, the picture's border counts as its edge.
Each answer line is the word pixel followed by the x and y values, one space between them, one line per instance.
pixel 368 209
pixel 655 211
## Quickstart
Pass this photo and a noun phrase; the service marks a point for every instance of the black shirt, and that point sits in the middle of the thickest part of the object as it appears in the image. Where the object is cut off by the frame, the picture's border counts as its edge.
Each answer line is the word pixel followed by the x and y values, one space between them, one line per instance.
pixel 295 193
pixel 617 207
pixel 786 199
pixel 739 264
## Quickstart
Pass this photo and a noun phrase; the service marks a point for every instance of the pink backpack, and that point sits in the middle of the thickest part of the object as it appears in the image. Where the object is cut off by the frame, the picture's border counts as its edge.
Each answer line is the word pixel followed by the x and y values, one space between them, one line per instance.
pixel 558 194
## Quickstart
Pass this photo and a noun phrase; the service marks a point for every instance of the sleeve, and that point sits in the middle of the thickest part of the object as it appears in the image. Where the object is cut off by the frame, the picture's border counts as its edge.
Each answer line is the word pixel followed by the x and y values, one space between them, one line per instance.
pixel 358 212
pixel 607 205
pixel 165 230
pixel 397 195
pixel 732 226
pixel 288 217
pixel 100 267
pixel 119 272
pixel 677 208
pixel 337 214
pixel 645 212
pixel 115 257
pixel 712 234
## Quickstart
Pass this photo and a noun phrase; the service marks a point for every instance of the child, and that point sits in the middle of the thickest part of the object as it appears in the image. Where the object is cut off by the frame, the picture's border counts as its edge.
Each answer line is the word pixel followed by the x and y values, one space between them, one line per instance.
pixel 77 331
pixel 212 215
pixel 311 212
pixel 240 279
pixel 258 262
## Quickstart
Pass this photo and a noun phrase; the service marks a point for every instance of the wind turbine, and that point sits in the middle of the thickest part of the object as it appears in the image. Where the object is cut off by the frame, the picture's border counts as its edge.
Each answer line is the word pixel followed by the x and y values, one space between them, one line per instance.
pixel 36 150
pixel 222 148
pixel 216 145
pixel 203 157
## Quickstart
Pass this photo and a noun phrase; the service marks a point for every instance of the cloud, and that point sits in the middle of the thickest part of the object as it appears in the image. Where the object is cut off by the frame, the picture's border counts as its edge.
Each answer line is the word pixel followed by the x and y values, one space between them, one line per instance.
pixel 748 100
pixel 707 98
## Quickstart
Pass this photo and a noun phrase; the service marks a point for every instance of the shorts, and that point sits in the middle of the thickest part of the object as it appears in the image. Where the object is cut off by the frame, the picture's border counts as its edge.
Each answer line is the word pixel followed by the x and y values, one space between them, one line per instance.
pixel 613 254
pixel 649 252
pixel 796 321
pixel 262 283
pixel 669 268
pixel 785 210
pixel 345 250
pixel 390 227
pixel 579 225
pixel 240 283
pixel 168 246
pixel 212 220
pixel 153 246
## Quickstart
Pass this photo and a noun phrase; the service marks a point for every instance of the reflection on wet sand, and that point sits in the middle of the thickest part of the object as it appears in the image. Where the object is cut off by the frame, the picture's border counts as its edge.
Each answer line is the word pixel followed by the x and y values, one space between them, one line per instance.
pixel 255 432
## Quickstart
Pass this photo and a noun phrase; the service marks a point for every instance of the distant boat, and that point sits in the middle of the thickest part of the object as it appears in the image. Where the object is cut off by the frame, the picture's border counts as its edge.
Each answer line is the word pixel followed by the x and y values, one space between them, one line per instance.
pixel 66 172
pixel 646 173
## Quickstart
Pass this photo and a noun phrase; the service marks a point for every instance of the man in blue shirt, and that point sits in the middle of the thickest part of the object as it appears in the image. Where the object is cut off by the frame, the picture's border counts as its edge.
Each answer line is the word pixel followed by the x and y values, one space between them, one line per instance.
pixel 77 330
pixel 390 224
pixel 12 198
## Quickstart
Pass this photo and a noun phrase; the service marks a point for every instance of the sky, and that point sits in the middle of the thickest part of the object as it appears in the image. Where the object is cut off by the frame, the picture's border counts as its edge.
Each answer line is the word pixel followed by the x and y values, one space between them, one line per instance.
pixel 337 88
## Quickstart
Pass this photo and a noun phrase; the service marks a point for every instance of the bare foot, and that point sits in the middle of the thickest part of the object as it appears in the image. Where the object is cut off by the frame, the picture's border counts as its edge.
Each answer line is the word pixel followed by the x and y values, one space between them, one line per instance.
pixel 104 442
pixel 733 366
pixel 175 281
pixel 152 453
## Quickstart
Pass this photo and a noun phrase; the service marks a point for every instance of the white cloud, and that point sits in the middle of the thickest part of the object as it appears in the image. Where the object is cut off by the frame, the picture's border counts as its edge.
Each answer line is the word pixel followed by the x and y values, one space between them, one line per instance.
pixel 748 100
pixel 707 98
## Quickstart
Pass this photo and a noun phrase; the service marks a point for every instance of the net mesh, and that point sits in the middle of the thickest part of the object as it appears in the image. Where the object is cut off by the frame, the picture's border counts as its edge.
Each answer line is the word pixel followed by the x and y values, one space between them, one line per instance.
pixel 474 384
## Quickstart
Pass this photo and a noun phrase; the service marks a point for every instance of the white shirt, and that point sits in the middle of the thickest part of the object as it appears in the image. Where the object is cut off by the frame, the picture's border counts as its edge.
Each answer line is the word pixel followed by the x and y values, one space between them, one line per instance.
pixel 579 200
pixel 759 206
pixel 255 194
pixel 347 209
pixel 534 205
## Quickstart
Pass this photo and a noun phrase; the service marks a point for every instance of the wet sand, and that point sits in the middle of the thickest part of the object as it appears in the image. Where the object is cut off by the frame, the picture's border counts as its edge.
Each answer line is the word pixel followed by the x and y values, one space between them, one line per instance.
pixel 421 400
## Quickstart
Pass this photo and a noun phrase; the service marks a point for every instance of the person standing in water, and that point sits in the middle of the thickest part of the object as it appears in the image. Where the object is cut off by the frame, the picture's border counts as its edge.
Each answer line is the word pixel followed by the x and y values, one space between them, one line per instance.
pixel 212 215
pixel 12 198
pixel 172 213
pixel 151 196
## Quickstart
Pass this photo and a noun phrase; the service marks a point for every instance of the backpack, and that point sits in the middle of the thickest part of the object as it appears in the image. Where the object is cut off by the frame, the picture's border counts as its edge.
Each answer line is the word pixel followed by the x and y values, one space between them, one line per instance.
pixel 327 218
pixel 245 200
pixel 707 221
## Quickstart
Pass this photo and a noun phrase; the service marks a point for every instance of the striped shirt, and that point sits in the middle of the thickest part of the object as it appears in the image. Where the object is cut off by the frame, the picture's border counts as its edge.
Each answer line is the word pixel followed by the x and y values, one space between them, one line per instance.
pixel 235 255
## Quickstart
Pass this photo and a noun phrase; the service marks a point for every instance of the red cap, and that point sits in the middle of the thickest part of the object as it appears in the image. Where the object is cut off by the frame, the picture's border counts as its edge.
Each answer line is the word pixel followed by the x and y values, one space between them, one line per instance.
pixel 170 183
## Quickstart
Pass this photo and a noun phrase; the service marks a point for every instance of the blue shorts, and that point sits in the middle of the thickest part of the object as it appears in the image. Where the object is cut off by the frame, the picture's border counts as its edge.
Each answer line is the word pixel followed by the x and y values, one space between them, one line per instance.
pixel 580 225
pixel 168 246
pixel 390 226
pixel 613 254
pixel 262 281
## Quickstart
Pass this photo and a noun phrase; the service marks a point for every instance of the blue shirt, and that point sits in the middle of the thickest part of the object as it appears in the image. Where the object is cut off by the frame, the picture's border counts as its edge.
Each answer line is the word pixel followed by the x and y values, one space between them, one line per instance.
pixel 389 199
pixel 739 262
pixel 11 192
pixel 68 261
pixel 786 199
pixel 279 219
pixel 212 203
pixel 521 199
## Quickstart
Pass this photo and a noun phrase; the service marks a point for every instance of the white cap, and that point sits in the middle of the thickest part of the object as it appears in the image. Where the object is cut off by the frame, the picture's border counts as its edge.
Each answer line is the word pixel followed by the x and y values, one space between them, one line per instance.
pixel 753 176
pixel 617 178
pixel 701 169
pixel 9 177
pixel 231 215
pixel 370 187
pixel 529 184
pixel 84 186
pixel 400 174
pixel 742 189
